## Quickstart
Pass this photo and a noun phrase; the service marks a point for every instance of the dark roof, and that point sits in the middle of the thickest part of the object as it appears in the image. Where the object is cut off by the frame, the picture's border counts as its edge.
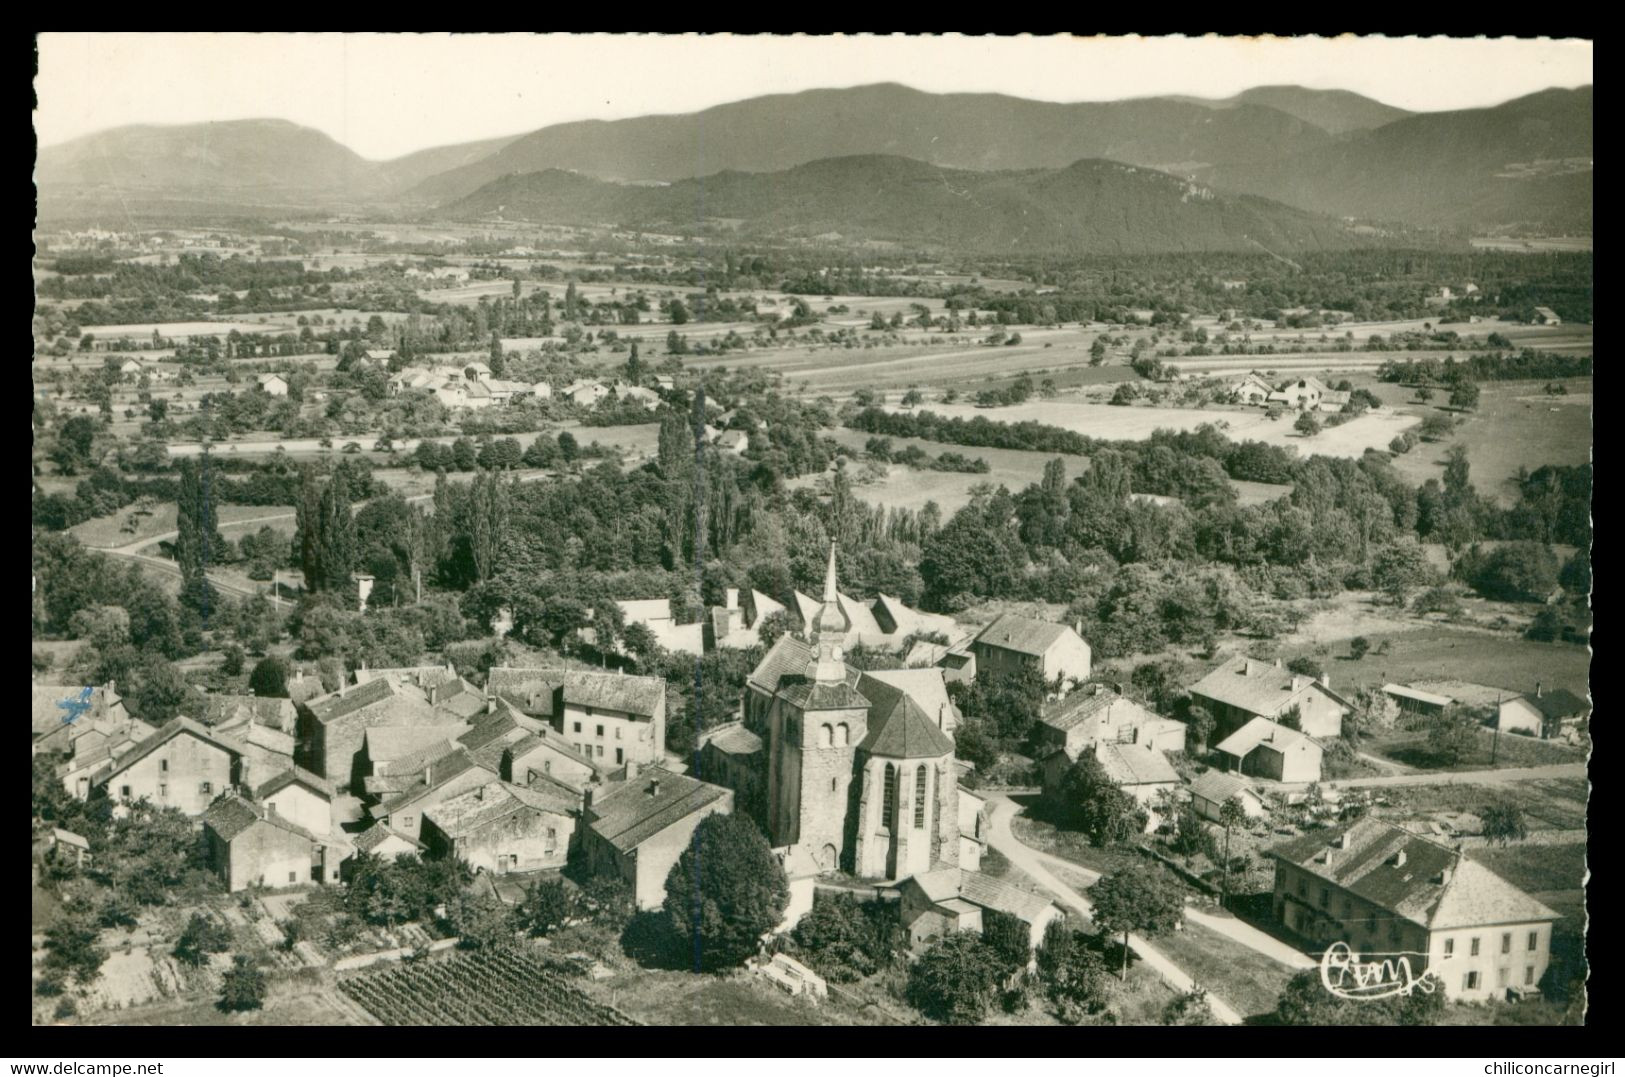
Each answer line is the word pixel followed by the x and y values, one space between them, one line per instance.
pixel 230 816
pixel 478 808
pixel 1080 706
pixel 810 695
pixel 788 656
pixel 168 732
pixel 1219 786
pixel 588 688
pixel 1410 876
pixel 630 813
pixel 1558 703
pixel 441 771
pixel 295 776
pixel 906 732
pixel 733 739
pixel 347 701
pixel 270 711
pixel 1021 634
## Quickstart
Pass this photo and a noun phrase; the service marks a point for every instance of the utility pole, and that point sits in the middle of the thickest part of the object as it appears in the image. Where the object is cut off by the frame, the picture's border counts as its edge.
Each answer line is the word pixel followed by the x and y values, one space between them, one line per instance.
pixel 1495 741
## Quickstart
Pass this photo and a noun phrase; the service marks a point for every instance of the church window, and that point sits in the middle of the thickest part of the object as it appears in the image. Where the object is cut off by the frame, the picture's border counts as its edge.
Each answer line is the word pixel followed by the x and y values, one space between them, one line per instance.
pixel 825 733
pixel 843 734
pixel 888 801
pixel 919 797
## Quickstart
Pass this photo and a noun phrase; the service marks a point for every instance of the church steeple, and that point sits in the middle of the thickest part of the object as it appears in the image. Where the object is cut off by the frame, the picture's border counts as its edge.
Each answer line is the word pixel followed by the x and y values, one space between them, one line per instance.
pixel 828 630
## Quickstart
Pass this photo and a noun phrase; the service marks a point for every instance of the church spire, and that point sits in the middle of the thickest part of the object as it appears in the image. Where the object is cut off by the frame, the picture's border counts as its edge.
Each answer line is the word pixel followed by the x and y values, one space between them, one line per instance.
pixel 828 630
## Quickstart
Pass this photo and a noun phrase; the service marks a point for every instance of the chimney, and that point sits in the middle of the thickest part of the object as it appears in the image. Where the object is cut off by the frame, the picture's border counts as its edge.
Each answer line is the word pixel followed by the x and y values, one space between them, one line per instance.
pixel 732 596
pixel 1399 859
pixel 654 787
pixel 1247 666
pixel 1297 683
pixel 490 704
pixel 1343 840
pixel 631 769
pixel 1277 663
pixel 1325 680
pixel 428 774
pixel 1537 689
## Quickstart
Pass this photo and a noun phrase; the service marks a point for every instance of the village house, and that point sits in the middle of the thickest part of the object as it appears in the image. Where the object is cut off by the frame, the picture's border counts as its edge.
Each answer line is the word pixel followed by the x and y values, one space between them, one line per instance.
pixel 542 758
pixel 383 843
pixel 1303 394
pixel 1542 714
pixel 637 829
pixel 1252 389
pixel 1140 771
pixel 1266 749
pixel 938 903
pixel 331 728
pixel 655 615
pixel 68 847
pixel 272 384
pixel 62 713
pixel 736 625
pixel 973 823
pixel 1386 892
pixel 1013 643
pixel 1212 789
pixel 733 441
pixel 183 766
pixel 500 828
pixel 84 770
pixel 249 845
pixel 440 779
pixel 225 712
pixel 1243 688
pixel 611 718
pixel 300 797
pixel 584 394
pixel 1546 316
pixel 1099 712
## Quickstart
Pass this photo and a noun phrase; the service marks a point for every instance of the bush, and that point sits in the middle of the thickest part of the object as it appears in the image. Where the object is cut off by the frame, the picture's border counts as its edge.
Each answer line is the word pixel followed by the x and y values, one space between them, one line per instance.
pixel 243 986
pixel 202 936
pixel 726 890
pixel 955 981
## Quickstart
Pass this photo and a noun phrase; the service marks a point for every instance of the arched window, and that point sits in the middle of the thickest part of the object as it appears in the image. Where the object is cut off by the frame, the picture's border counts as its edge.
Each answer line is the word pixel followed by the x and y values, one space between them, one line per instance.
pixel 843 734
pixel 919 797
pixel 824 734
pixel 888 801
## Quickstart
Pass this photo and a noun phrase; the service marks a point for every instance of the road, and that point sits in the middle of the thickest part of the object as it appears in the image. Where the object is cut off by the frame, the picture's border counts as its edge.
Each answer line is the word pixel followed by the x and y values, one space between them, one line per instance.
pixel 1503 776
pixel 1032 862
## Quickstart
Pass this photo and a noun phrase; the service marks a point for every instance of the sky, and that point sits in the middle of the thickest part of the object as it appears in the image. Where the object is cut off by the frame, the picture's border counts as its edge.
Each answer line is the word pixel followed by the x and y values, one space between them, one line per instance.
pixel 385 95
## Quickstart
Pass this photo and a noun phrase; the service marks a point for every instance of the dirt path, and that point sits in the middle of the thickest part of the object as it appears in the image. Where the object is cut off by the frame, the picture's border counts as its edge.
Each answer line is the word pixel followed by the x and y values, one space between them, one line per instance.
pixel 1031 862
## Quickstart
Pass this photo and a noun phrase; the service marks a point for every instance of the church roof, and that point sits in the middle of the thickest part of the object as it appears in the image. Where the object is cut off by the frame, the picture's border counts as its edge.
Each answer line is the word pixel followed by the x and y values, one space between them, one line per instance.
pixel 906 732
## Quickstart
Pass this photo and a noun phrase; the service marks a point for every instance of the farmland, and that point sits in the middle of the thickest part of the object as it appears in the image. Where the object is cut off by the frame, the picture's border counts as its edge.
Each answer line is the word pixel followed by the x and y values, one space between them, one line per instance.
pixel 486 987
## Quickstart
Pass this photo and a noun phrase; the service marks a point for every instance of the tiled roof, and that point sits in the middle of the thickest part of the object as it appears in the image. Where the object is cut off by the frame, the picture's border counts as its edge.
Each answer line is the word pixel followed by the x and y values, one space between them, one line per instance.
pixel 230 710
pixel 48 712
pixel 1410 876
pixel 589 688
pixel 1104 706
pixel 925 686
pixel 1406 692
pixel 947 884
pixel 1136 764
pixel 440 771
pixel 1256 687
pixel 468 812
pixel 906 732
pixel 292 776
pixel 630 813
pixel 1021 634
pixel 68 837
pixel 809 695
pixel 399 745
pixel 230 816
pixel 734 739
pixel 374 836
pixel 787 656
pixel 1218 786
pixel 405 701
pixel 1558 703
pixel 1263 731
pixel 168 732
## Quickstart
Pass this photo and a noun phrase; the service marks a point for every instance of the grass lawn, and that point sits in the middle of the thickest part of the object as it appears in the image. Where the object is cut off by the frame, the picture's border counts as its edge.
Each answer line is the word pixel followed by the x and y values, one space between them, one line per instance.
pixel 660 997
pixel 1548 804
pixel 44 908
pixel 1071 845
pixel 1242 977
pixel 1440 652
pixel 1507 750
pixel 1534 868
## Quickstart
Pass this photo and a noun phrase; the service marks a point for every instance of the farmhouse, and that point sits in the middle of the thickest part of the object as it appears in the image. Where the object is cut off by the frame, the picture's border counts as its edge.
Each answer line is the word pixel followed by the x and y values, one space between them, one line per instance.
pixel 938 903
pixel 183 766
pixel 1139 770
pixel 83 771
pixel 272 384
pixel 300 797
pixel 1099 712
pixel 1210 791
pixel 249 845
pixel 584 394
pixel 447 776
pixel 382 842
pixel 1385 892
pixel 655 615
pixel 1252 389
pixel 735 625
pixel 1244 688
pixel 501 828
pixel 1301 393
pixel 1542 713
pixel 1266 749
pixel 1011 644
pixel 611 718
pixel 227 713
pixel 636 829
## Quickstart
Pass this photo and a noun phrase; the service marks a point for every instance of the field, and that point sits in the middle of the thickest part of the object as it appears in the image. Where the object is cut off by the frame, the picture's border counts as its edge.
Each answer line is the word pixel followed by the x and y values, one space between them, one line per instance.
pixel 1507 750
pixel 658 997
pixel 1516 426
pixel 1248 980
pixel 1547 803
pixel 107 532
pixel 485 987
pixel 1441 652
pixel 1372 430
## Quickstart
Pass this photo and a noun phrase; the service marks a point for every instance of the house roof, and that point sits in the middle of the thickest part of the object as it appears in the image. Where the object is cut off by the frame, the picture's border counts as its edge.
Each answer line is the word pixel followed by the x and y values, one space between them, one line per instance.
pixel 1262 731
pixel 1558 703
pixel 231 816
pixel 645 609
pixel 68 837
pixel 788 656
pixel 403 700
pixel 374 836
pixel 441 770
pixel 1420 880
pixel 225 710
pixel 733 739
pixel 948 884
pixel 49 712
pixel 925 686
pixel 1022 635
pixel 1136 764
pixel 631 812
pixel 468 812
pixel 904 731
pixel 589 688
pixel 1102 706
pixel 1257 687
pixel 396 744
pixel 1218 786
pixel 420 676
pixel 295 776
pixel 169 731
pixel 1406 692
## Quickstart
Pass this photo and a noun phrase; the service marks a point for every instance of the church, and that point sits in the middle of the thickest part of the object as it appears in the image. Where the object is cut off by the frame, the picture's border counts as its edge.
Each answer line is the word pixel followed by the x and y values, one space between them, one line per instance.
pixel 860 765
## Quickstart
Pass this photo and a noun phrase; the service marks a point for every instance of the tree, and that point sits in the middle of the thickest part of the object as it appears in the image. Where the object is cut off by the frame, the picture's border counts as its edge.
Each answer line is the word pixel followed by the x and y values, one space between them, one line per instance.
pixel 1199 726
pixel 1190 1008
pixel 1143 897
pixel 1232 813
pixel 72 948
pixel 956 980
pixel 1073 974
pixel 1358 646
pixel 1398 569
pixel 634 366
pixel 75 443
pixel 243 986
pixel 1453 734
pixel 1308 424
pixel 1097 805
pixel 679 312
pixel 1464 396
pixel 844 939
pixel 270 678
pixel 1009 938
pixel 202 936
pixel 725 891
pixel 482 921
pixel 1504 822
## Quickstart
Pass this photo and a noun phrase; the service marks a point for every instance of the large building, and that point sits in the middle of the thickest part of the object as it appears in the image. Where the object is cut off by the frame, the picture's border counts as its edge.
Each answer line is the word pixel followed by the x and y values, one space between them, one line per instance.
pixel 611 718
pixel 859 772
pixel 1387 893
pixel 1012 644
pixel 1245 688
pixel 637 829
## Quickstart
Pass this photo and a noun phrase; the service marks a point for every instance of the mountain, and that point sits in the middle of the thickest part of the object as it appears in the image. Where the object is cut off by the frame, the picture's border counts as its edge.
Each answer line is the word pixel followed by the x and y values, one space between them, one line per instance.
pixel 1525 163
pixel 964 131
pixel 238 160
pixel 1334 111
pixel 1089 207
pixel 406 172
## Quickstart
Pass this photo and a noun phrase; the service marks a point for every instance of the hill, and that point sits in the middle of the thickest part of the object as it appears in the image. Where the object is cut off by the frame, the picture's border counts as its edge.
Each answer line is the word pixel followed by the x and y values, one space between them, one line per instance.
pixel 1091 206
pixel 1334 111
pixel 1526 163
pixel 964 131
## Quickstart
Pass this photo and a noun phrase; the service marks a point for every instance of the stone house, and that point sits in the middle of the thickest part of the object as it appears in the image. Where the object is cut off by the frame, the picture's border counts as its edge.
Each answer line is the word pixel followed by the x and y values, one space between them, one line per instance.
pixel 1099 712
pixel 1211 789
pixel 501 828
pixel 331 728
pixel 610 718
pixel 1387 893
pixel 300 797
pixel 250 846
pixel 382 842
pixel 63 713
pixel 1244 688
pixel 449 775
pixel 1013 643
pixel 183 766
pixel 1542 713
pixel 938 903
pixel 1266 749
pixel 637 829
